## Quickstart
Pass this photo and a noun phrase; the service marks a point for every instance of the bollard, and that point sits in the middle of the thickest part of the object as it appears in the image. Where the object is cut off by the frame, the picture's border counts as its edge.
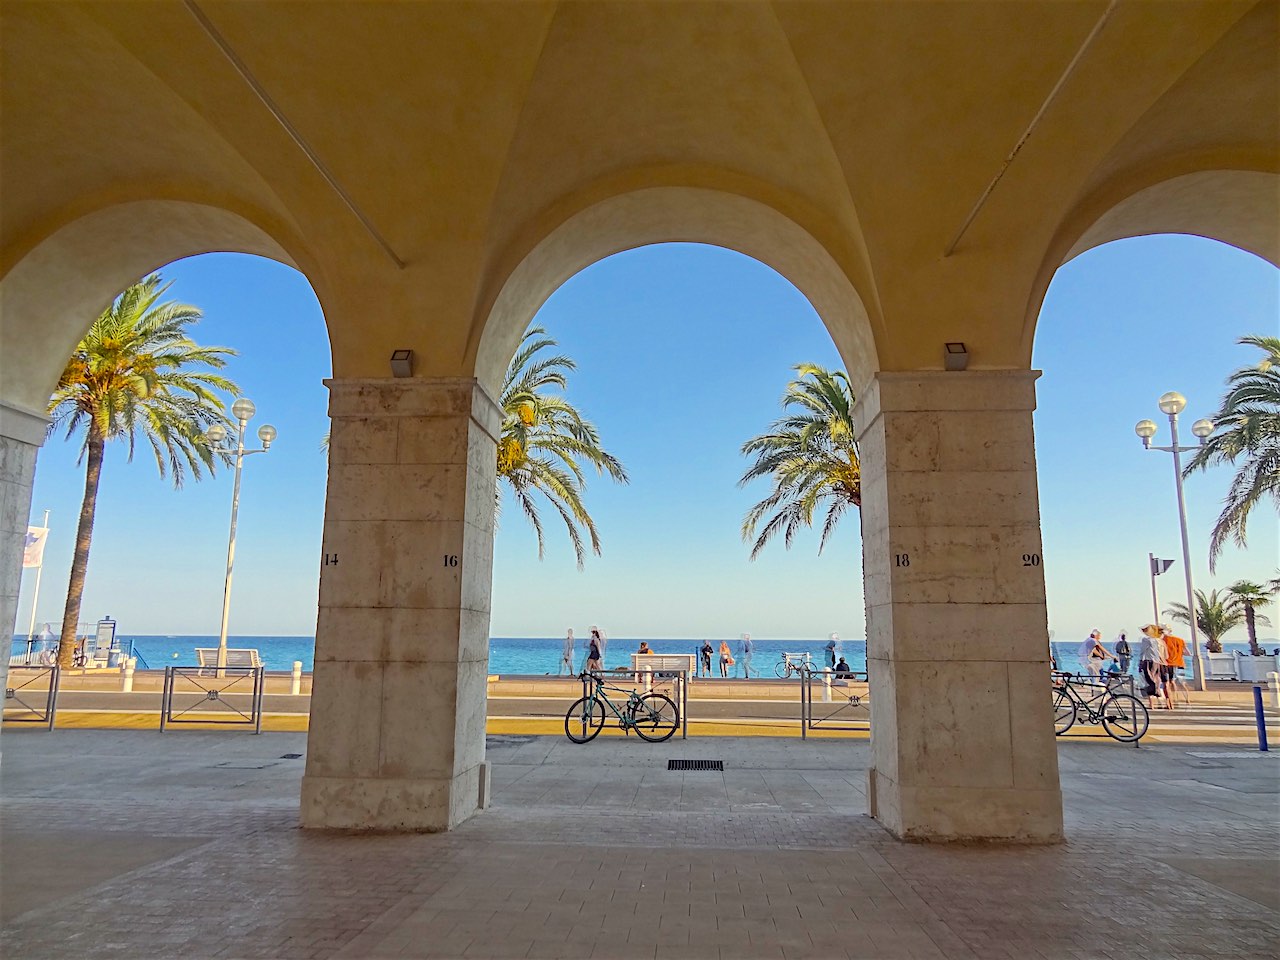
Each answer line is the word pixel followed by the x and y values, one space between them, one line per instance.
pixel 1273 681
pixel 1260 715
pixel 826 684
pixel 648 678
pixel 295 682
pixel 127 666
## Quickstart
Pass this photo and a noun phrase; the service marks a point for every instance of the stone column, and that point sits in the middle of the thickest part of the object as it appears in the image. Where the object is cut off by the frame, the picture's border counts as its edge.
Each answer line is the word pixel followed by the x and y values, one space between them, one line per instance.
pixel 397 734
pixel 962 735
pixel 21 435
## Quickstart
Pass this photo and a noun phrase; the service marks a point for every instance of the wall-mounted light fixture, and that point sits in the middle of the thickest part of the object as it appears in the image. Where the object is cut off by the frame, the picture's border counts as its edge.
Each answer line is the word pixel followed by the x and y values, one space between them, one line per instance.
pixel 402 363
pixel 956 356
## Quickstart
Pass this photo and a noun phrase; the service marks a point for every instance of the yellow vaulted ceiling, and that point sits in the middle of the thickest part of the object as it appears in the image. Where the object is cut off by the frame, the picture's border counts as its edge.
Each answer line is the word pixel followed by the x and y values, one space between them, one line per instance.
pixel 408 157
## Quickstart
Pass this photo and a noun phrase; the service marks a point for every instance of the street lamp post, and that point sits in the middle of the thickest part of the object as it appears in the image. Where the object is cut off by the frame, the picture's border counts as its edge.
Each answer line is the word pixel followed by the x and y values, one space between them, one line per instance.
pixel 1172 404
pixel 243 410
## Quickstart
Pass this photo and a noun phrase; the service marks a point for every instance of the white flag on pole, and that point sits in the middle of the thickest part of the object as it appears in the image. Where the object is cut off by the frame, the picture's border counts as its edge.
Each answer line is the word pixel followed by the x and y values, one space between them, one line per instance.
pixel 33 552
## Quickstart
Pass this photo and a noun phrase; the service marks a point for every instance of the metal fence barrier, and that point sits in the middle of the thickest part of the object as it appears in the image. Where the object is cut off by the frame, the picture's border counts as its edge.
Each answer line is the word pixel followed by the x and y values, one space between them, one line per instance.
pixel 835 705
pixel 28 694
pixel 232 696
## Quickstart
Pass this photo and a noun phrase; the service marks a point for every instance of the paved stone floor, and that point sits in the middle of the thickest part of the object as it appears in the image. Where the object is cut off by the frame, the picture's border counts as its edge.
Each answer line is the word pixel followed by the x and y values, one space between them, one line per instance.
pixel 123 844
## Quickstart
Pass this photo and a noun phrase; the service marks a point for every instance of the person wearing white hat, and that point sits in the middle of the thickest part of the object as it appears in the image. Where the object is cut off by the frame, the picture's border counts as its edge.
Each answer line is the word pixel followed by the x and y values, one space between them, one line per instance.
pixel 1093 654
pixel 1151 658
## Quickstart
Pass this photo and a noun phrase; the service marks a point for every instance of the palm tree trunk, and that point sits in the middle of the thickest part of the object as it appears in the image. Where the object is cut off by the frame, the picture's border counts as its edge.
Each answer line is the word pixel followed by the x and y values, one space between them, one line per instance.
pixel 80 562
pixel 1252 627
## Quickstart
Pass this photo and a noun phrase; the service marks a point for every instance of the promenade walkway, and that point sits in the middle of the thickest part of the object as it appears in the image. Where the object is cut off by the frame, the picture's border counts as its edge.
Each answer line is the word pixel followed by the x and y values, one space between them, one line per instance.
pixel 733 708
pixel 129 844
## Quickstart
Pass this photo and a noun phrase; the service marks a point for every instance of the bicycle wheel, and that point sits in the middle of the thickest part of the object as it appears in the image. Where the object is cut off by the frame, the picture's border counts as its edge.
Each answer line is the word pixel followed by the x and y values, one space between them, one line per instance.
pixel 656 717
pixel 1064 713
pixel 585 720
pixel 1125 718
pixel 782 669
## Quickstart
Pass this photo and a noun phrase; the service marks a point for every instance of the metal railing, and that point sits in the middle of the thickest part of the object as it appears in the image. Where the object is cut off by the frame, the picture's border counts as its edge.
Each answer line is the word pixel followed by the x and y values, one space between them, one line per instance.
pixel 189 697
pixel 28 694
pixel 835 705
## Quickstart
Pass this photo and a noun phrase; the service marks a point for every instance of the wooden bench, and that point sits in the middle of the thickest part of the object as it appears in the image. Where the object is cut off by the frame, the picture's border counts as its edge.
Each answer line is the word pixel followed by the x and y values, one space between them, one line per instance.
pixel 207 657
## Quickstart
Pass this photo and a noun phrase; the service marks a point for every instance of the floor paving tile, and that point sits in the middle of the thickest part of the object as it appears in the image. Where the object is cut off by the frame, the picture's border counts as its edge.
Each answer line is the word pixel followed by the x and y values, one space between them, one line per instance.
pixel 797 871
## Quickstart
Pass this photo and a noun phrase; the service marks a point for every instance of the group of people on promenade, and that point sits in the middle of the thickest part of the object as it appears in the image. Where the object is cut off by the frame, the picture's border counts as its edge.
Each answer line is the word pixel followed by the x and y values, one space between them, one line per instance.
pixel 598 642
pixel 1161 657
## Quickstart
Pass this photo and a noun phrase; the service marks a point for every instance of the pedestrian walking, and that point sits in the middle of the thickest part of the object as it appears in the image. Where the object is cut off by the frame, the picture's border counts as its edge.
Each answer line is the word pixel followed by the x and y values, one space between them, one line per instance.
pixel 1151 657
pixel 831 650
pixel 594 653
pixel 1175 651
pixel 566 656
pixel 726 659
pixel 1123 653
pixel 745 652
pixel 707 650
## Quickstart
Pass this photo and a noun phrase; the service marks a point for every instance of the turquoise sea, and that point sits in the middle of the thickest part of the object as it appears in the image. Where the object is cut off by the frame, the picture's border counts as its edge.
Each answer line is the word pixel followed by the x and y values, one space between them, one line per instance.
pixel 541 655
pixel 507 655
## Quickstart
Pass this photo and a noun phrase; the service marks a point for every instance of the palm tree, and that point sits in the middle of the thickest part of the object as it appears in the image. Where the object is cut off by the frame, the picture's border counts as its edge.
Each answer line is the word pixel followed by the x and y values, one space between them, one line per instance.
pixel 1249 597
pixel 811 455
pixel 1247 428
pixel 1215 615
pixel 132 376
pixel 546 442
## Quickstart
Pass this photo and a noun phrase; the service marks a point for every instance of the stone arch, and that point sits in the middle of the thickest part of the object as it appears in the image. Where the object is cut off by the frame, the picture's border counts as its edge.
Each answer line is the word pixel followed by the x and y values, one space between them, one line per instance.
pixel 1234 205
pixel 51 294
pixel 675 214
pixel 1237 207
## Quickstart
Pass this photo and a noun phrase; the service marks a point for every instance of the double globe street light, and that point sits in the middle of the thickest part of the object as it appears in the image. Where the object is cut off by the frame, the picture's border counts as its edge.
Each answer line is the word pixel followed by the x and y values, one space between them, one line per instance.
pixel 243 410
pixel 1172 404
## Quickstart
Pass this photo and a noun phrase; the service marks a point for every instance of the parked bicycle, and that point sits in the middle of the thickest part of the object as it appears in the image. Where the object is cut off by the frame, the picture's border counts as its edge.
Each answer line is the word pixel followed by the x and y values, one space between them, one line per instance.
pixel 654 716
pixel 793 664
pixel 1123 716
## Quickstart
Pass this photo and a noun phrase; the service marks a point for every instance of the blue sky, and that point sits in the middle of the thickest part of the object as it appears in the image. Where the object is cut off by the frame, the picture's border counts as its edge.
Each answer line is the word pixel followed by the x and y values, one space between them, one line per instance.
pixel 683 352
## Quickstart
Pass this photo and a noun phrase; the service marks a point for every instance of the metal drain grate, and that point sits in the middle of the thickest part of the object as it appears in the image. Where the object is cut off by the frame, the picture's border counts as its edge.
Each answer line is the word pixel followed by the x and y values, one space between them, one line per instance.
pixel 695 765
pixel 291 756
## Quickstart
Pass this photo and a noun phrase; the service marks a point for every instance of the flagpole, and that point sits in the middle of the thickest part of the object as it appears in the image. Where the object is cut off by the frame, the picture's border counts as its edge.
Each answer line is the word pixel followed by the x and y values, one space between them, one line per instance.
pixel 31 630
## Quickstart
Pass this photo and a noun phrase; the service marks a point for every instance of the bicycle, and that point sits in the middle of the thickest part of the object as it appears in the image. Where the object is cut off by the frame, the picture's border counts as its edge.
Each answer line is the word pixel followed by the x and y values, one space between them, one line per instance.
pixel 1123 716
pixel 654 716
pixel 793 663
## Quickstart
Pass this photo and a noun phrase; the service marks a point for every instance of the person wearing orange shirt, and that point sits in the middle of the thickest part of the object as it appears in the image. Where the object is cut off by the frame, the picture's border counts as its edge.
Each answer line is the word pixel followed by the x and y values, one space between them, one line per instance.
pixel 1175 660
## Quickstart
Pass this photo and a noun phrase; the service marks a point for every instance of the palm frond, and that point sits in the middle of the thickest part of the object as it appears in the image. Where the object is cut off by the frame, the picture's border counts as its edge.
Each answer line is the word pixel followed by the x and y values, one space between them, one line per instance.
pixel 546 445
pixel 811 456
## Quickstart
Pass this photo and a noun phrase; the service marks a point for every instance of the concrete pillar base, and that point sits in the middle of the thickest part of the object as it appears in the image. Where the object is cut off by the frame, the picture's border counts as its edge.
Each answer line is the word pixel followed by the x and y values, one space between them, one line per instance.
pixel 377 803
pixel 959 814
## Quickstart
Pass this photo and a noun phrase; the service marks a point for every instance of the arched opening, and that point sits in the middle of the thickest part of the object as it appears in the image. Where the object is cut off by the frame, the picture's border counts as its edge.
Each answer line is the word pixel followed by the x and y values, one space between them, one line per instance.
pixel 151 540
pixel 682 353
pixel 645 222
pixel 253 300
pixel 1153 296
